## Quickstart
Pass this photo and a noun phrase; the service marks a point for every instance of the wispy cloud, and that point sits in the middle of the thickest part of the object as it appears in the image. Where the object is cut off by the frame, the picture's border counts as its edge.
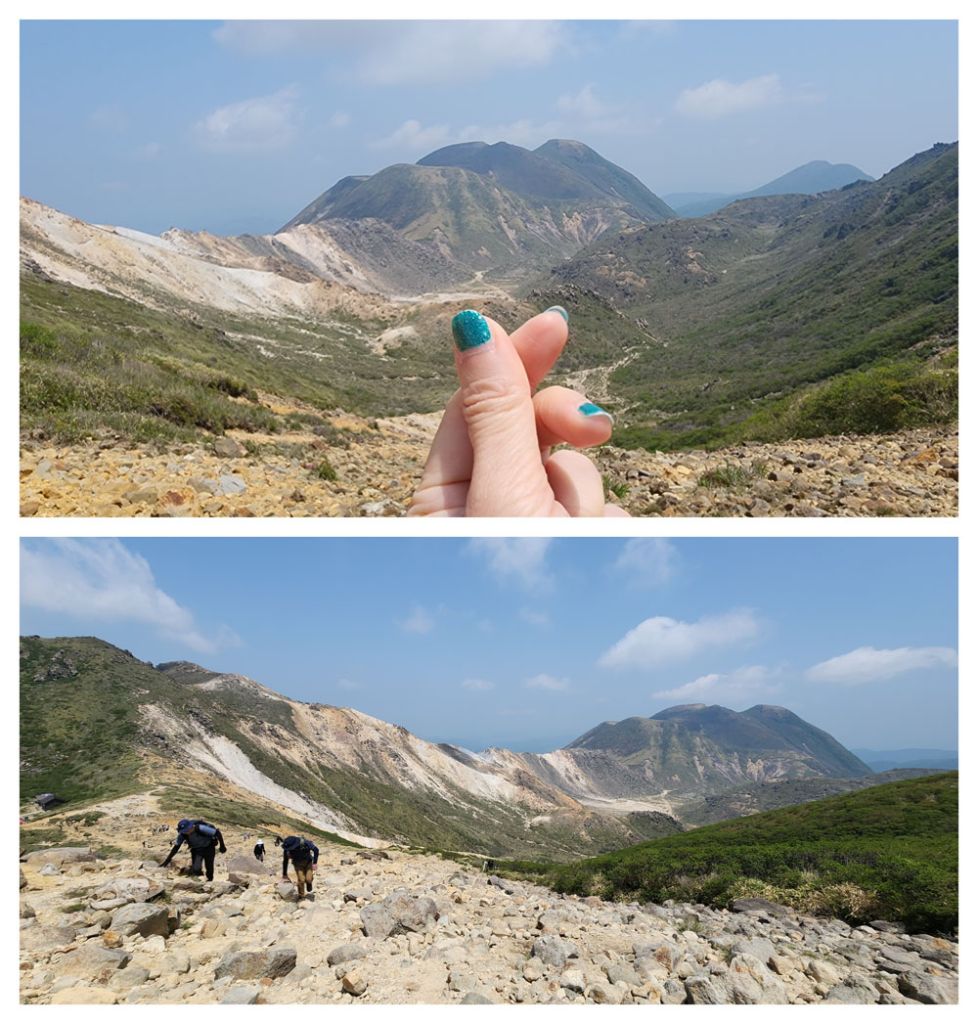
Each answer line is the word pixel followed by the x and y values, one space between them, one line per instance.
pixel 720 98
pixel 391 53
pixel 660 640
pixel 414 137
pixel 648 561
pixel 519 560
pixel 340 119
pixel 148 151
pixel 742 683
pixel 584 103
pixel 477 685
pixel 420 620
pixel 110 118
pixel 543 681
pixel 349 684
pixel 102 580
pixel 535 616
pixel 253 125
pixel 871 664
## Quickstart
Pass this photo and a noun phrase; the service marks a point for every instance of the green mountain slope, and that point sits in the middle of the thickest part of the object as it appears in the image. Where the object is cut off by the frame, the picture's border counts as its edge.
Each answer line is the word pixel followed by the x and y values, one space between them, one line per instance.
pixel 888 852
pixel 766 316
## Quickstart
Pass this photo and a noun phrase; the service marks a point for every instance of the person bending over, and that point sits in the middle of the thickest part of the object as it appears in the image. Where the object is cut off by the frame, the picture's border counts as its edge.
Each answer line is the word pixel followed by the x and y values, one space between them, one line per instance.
pixel 304 854
pixel 202 838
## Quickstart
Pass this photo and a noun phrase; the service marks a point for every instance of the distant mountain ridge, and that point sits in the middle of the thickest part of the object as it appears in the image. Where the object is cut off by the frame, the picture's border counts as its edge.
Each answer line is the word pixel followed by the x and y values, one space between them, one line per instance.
pixel 96 721
pixel 808 179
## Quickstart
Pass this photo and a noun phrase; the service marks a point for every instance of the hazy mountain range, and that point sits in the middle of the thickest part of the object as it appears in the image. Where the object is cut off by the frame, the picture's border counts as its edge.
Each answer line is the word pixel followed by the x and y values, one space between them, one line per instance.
pixel 97 722
pixel 809 179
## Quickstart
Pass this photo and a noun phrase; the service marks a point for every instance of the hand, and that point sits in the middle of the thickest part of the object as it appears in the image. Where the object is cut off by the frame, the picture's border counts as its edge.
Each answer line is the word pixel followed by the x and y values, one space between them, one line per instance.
pixel 224 849
pixel 491 454
pixel 315 866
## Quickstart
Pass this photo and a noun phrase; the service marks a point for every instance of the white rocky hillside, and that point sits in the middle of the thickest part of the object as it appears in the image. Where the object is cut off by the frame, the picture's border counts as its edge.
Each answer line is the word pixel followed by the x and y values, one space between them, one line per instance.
pixel 390 927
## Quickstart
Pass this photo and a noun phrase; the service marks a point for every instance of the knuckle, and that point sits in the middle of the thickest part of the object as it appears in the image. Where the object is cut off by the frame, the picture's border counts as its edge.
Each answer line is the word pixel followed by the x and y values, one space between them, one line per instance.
pixel 492 397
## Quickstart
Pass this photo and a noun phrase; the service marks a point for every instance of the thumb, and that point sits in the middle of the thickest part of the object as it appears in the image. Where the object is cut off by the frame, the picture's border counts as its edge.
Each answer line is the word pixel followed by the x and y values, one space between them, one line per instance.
pixel 508 478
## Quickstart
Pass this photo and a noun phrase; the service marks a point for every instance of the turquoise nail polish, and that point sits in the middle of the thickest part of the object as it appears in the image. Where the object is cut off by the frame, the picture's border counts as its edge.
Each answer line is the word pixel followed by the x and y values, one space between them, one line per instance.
pixel 590 409
pixel 559 309
pixel 470 330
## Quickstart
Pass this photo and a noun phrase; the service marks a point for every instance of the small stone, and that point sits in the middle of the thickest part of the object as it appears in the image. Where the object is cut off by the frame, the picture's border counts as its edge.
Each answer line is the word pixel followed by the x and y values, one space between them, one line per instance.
pixel 228 448
pixel 354 983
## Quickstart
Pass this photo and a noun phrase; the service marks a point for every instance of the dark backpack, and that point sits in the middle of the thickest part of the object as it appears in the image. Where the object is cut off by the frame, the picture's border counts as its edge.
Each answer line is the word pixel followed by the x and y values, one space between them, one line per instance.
pixel 296 848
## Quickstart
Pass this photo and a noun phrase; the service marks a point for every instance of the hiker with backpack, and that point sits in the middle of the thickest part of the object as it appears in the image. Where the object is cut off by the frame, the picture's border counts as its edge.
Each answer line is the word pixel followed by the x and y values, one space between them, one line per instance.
pixel 201 837
pixel 304 854
pixel 259 851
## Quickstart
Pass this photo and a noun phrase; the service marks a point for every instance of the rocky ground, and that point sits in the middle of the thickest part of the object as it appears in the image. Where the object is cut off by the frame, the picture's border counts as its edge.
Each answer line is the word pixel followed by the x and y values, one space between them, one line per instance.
pixel 391 927
pixel 914 473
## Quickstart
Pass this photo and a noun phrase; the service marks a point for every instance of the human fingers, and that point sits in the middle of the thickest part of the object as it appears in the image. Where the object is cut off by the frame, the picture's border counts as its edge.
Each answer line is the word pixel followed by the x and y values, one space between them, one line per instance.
pixel 539 342
pixel 615 511
pixel 567 417
pixel 576 483
pixel 508 478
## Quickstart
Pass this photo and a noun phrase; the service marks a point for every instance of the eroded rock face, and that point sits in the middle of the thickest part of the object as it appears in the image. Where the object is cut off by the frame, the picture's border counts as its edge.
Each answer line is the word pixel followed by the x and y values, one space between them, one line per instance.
pixel 59 856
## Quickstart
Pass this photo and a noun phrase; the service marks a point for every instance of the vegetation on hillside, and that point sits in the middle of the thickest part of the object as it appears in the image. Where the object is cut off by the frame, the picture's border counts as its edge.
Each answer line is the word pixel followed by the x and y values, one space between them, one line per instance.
pixel 888 852
pixel 788 316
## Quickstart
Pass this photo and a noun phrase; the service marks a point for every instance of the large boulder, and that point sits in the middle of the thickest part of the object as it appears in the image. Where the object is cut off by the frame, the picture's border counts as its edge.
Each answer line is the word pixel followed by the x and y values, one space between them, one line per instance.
pixel 59 856
pixel 94 962
pixel 141 919
pixel 264 963
pixel 399 914
pixel 244 870
pixel 553 950
pixel 928 988
pixel 345 953
pixel 760 907
pixel 129 890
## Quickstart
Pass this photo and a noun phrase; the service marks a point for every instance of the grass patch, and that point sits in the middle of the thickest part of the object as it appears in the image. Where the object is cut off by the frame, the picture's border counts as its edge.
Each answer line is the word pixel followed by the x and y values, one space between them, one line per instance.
pixel 888 852
pixel 733 476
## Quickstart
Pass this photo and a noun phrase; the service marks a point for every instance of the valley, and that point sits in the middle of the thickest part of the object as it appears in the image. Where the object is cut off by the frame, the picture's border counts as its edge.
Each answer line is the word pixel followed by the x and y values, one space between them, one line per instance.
pixel 774 320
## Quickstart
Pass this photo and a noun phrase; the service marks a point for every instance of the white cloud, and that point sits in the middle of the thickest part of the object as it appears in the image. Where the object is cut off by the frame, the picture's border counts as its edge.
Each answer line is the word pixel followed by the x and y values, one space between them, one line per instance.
pixel 252 125
pixel 648 561
pixel 103 580
pixel 870 664
pixel 543 681
pixel 413 137
pixel 477 685
pixel 535 617
pixel 750 681
pixel 406 52
pixel 584 104
pixel 515 559
pixel 719 97
pixel 659 640
pixel 340 119
pixel 419 621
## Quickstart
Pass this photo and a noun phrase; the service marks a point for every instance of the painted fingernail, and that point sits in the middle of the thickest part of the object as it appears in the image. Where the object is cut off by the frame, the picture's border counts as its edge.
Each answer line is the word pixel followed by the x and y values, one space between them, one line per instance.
pixel 470 330
pixel 590 409
pixel 559 309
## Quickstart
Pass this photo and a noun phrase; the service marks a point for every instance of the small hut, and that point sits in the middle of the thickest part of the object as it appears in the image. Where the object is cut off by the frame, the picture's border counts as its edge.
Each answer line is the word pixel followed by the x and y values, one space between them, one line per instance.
pixel 47 800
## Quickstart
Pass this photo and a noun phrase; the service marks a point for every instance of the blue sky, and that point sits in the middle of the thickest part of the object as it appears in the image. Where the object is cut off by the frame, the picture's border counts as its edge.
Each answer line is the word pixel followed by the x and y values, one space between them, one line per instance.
pixel 528 643
pixel 234 127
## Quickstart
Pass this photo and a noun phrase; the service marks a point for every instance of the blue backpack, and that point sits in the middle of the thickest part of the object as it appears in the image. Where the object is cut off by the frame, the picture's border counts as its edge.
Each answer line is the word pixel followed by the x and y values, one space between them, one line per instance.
pixel 203 827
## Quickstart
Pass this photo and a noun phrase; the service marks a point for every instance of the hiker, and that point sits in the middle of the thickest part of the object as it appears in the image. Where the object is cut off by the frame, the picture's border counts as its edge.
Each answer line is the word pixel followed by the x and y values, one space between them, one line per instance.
pixel 260 851
pixel 202 837
pixel 304 855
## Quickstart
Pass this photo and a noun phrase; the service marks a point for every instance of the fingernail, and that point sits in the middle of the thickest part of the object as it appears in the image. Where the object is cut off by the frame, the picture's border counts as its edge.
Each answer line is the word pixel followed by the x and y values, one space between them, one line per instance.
pixel 470 330
pixel 590 409
pixel 559 309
